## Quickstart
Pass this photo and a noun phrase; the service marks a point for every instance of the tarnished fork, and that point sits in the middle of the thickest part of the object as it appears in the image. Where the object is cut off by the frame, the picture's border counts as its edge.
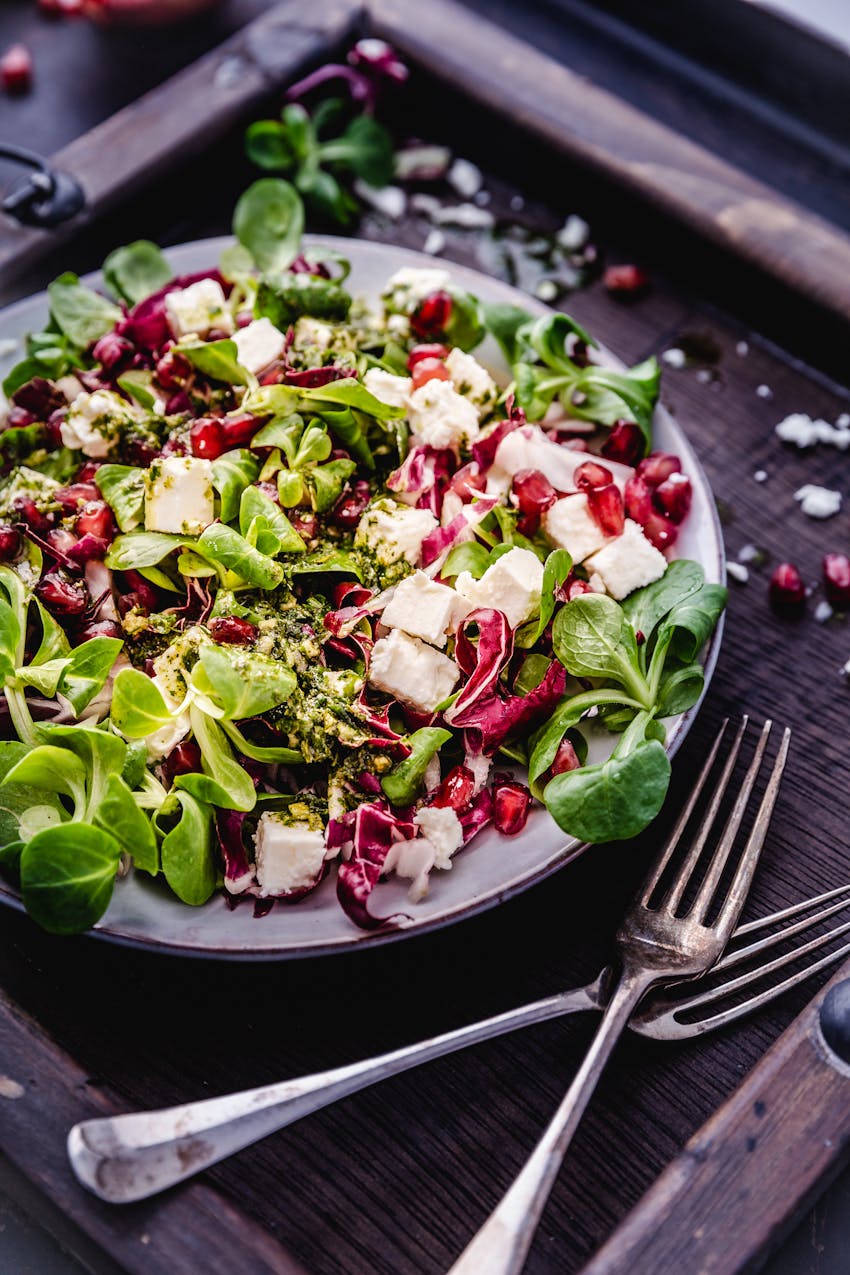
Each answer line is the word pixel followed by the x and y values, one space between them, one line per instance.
pixel 132 1156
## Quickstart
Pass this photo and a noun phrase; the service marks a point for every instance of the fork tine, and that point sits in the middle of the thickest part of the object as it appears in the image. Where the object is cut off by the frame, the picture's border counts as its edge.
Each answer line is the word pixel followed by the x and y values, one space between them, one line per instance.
pixel 663 857
pixel 763 922
pixel 677 888
pixel 778 936
pixel 731 908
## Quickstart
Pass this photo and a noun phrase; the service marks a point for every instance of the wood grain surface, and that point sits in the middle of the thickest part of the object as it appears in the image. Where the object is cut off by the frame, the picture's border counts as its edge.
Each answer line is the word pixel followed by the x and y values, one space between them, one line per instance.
pixel 395 1180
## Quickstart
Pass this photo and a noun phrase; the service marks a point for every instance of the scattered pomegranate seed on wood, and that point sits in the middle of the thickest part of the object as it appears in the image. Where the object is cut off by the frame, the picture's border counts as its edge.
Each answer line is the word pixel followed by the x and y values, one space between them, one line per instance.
pixel 836 579
pixel 16 69
pixel 786 590
pixel 625 281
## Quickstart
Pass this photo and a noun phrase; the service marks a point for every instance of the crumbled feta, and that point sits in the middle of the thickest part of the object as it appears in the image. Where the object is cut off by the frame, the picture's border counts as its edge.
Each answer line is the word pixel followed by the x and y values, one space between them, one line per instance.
pixel 258 344
pixel 517 203
pixel 764 391
pixel 760 476
pixel 389 200
pixel 422 163
pixel 750 553
pixel 738 572
pixel 435 242
pixel 29 484
pixel 389 389
pixel 742 349
pixel 818 502
pixel 823 612
pixel 467 216
pixel 546 290
pixel 511 585
pixel 289 855
pixel 424 609
pixel 573 234
pixel 443 829
pixel 415 674
pixel 161 742
pixel 529 448
pixel 674 357
pixel 8 345
pixel 413 860
pixel 311 334
pixel 408 286
pixel 394 531
pixel 422 203
pixel 482 198
pixel 179 495
pixel 70 386
pixel 441 417
pixel 465 178
pixel 471 379
pixel 569 525
pixel 198 309
pixel 628 562
pixel 94 421
pixel 803 431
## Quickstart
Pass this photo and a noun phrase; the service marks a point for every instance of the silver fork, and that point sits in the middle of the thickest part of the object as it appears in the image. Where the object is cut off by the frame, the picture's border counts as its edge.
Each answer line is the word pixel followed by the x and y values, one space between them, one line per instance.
pixel 133 1156
pixel 657 943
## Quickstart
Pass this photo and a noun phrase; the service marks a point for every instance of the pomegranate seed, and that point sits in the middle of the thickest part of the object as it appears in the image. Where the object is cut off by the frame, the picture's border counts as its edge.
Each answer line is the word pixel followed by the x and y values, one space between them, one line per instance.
pixel 172 370
pixel 420 352
pixel 61 594
pixel 10 543
pixel 87 471
pixel 429 370
pixel 112 351
pixel 660 531
pixel 178 404
pixel 53 426
pixel 468 481
pixel 606 508
pixel 533 491
pixel 207 440
pixel 625 280
pixel 100 628
pixel 657 468
pixel 836 579
pixel 19 417
pixel 590 475
pixel 143 589
pixel 233 630
pixel 244 317
pixel 16 69
pixel 77 494
pixel 566 758
pixel 28 512
pixel 307 525
pixel 624 443
pixel 88 548
pixel 638 500
pixel 511 803
pixel 96 520
pixel 348 510
pixel 432 316
pixel 786 589
pixel 673 497
pixel 456 790
pixel 61 540
pixel 184 759
pixel 239 430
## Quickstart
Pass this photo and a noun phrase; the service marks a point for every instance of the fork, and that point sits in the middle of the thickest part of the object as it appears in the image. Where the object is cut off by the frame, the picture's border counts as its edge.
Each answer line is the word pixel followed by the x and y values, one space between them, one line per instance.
pixel 659 941
pixel 133 1156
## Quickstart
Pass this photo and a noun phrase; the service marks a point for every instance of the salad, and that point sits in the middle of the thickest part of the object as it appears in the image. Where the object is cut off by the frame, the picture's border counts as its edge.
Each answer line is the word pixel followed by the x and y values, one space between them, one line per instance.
pixel 291 585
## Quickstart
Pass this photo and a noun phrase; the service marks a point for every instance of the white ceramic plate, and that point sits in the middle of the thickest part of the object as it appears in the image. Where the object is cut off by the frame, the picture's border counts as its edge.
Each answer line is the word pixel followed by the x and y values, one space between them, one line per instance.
pixel 492 867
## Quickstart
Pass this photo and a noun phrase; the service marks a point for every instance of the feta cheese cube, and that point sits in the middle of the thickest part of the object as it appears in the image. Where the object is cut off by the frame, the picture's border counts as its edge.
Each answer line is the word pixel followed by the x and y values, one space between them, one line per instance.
pixel 511 585
pixel 415 674
pixel 311 334
pixel 198 309
pixel 424 609
pixel 628 562
pixel 408 286
pixel 179 495
pixel 471 379
pixel 393 531
pixel 94 422
pixel 441 417
pixel 392 390
pixel 443 829
pixel 289 855
pixel 569 525
pixel 258 344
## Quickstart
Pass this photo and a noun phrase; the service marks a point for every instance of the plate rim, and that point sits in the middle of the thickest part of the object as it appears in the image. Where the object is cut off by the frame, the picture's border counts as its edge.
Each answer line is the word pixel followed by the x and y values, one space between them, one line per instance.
pixel 360 940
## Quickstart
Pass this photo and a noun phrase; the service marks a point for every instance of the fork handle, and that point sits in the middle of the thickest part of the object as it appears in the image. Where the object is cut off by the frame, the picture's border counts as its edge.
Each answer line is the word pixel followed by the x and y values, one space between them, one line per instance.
pixel 130 1157
pixel 502 1244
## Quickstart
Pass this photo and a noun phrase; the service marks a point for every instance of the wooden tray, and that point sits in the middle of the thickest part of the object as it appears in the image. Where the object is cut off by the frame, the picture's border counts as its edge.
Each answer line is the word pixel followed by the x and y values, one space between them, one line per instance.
pixel 395 1180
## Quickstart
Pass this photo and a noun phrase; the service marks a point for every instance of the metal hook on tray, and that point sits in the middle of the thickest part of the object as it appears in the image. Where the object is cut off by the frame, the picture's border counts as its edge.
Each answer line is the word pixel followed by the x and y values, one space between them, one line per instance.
pixel 46 197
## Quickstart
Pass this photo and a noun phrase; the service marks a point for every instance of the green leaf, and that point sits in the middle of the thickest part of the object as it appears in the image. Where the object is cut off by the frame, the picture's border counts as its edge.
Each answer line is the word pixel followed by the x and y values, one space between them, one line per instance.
pixel 314 446
pixel 225 546
pixel 349 428
pixel 231 474
pixel 290 488
pixel 267 145
pixel 135 763
pixel 143 549
pixel 547 337
pixel 691 623
pixel 647 606
pixel 269 222
pixel 24 809
pixel 118 814
pixel 271 400
pixel 87 669
pixel 403 783
pixel 504 322
pixel 680 690
pixel 243 683
pixel 22 373
pixel 139 385
pixel 67 876
pixel 466 325
pixel 543 744
pixel 219 360
pixel 10 630
pixel 365 148
pixel 53 640
pixel 51 769
pixel 43 677
pixel 469 556
pixel 84 316
pixel 557 567
pixel 284 299
pixel 327 482
pixel 224 782
pixel 531 674
pixel 278 753
pixel 256 505
pixel 327 560
pixel 123 489
pixel 136 270
pixel 592 638
pixel 188 857
pixel 614 800
pixel 348 392
pixel 138 707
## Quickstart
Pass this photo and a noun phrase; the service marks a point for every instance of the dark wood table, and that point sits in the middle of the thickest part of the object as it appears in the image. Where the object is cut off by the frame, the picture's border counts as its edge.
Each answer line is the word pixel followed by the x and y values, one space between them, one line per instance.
pixel 393 1180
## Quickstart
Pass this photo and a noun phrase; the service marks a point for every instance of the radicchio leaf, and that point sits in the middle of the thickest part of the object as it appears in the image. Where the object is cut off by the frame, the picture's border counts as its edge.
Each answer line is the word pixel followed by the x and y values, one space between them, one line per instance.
pixel 478 814
pixel 147 325
pixel 375 829
pixel 422 478
pixel 484 450
pixel 238 872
